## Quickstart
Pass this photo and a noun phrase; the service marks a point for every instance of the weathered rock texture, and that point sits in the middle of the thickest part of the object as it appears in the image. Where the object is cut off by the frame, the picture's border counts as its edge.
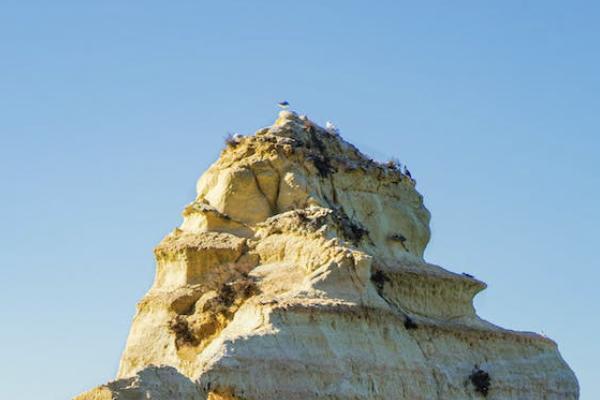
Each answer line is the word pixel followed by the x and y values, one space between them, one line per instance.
pixel 298 273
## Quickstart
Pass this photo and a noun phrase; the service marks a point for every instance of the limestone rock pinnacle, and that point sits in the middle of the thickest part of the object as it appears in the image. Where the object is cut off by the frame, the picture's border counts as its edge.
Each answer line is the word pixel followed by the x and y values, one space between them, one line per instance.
pixel 298 273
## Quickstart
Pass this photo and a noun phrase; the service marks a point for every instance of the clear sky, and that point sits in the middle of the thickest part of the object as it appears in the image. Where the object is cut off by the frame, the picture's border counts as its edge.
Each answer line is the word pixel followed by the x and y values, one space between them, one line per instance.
pixel 110 111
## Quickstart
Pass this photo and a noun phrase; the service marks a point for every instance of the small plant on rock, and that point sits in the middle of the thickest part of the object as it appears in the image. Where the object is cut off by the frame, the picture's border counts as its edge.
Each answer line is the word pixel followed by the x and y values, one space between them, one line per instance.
pixel 379 279
pixel 481 380
pixel 394 163
pixel 232 140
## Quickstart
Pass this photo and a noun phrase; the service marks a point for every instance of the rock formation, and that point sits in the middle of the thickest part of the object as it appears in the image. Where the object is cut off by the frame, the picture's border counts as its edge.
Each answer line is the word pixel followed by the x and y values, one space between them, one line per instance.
pixel 298 273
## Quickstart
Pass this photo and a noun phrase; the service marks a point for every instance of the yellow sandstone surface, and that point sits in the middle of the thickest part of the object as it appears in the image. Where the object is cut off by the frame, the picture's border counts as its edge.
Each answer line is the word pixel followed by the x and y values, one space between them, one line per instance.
pixel 298 273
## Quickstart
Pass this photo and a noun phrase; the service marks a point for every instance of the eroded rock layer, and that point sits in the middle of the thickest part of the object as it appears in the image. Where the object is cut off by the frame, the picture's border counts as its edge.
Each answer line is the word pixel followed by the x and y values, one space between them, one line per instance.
pixel 298 273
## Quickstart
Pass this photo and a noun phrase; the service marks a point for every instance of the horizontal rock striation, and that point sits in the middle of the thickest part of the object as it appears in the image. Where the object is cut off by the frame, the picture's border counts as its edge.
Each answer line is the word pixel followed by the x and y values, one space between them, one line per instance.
pixel 298 273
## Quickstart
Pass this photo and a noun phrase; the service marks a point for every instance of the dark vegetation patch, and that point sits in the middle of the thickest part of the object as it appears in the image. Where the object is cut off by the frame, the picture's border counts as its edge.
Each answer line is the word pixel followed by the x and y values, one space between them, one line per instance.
pixel 322 164
pixel 379 278
pixel 231 141
pixel 183 333
pixel 351 230
pixel 216 312
pixel 393 164
pixel 409 323
pixel 248 287
pixel 481 380
pixel 226 295
pixel 321 160
pixel 315 141
pixel 355 232
pixel 311 224
pixel 242 287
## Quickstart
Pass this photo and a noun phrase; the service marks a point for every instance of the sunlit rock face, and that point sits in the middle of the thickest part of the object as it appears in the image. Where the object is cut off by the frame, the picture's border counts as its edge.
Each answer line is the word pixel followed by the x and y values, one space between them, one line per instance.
pixel 298 273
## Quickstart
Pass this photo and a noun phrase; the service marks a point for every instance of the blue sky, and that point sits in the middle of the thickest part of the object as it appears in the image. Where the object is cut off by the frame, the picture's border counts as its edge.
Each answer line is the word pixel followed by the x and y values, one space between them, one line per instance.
pixel 111 110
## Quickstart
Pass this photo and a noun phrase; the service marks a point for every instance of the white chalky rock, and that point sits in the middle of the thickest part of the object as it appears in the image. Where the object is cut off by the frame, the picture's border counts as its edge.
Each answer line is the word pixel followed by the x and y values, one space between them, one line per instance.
pixel 298 273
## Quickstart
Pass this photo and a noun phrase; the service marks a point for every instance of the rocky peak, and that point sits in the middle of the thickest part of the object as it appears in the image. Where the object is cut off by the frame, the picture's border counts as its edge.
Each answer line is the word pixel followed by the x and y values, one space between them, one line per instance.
pixel 295 165
pixel 298 273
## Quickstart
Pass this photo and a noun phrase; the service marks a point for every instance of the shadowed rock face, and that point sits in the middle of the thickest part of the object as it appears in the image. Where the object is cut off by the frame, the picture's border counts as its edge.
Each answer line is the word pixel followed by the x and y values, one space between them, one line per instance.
pixel 298 273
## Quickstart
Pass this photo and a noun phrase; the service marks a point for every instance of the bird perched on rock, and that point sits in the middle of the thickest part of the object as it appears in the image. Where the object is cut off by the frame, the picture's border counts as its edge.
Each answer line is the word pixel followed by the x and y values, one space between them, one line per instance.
pixel 467 275
pixel 284 105
pixel 407 172
pixel 331 128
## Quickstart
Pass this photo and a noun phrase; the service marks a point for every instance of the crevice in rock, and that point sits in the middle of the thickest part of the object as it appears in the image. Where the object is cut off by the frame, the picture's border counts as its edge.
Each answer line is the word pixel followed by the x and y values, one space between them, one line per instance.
pixel 351 230
pixel 277 189
pixel 379 279
pixel 272 206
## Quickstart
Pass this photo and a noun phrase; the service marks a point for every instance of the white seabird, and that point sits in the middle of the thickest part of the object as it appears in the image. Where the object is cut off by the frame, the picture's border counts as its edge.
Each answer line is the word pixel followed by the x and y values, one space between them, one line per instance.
pixel 331 128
